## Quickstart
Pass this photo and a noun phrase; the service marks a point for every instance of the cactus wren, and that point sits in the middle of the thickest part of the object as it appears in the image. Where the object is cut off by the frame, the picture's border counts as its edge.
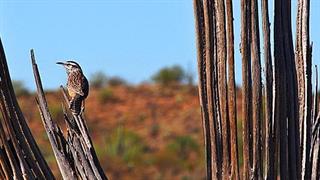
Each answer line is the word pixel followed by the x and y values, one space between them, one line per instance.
pixel 77 86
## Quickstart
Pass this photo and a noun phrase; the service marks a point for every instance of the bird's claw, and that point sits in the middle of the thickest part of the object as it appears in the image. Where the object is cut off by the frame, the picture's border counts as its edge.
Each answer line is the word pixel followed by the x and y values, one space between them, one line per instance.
pixel 82 110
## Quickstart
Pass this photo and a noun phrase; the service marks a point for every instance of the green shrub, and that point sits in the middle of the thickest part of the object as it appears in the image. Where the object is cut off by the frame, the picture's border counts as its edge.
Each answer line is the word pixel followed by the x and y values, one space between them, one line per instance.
pixel 19 88
pixel 182 146
pixel 126 145
pixel 98 80
pixel 105 95
pixel 181 153
pixel 169 75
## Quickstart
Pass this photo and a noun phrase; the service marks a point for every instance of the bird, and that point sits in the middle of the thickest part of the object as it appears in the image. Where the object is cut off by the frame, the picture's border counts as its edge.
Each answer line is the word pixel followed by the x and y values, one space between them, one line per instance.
pixel 77 86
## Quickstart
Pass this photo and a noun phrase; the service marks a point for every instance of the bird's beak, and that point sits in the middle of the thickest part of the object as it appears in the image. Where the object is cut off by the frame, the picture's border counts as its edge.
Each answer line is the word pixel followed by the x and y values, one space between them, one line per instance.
pixel 61 63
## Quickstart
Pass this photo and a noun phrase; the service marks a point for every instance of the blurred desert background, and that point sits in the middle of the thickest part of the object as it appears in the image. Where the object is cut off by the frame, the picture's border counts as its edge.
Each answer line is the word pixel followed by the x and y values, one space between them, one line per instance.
pixel 151 130
pixel 139 131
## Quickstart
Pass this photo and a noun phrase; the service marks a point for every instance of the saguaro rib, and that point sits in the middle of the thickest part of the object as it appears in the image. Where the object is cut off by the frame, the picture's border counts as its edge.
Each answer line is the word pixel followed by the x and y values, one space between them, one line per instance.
pixel 222 84
pixel 270 151
pixel 306 170
pixel 257 92
pixel 210 29
pixel 232 93
pixel 211 168
pixel 246 83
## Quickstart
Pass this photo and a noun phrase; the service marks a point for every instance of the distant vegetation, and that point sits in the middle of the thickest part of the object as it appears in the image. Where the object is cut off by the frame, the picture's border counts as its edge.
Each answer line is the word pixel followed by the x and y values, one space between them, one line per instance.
pixel 106 95
pixel 128 148
pixel 127 145
pixel 116 81
pixel 182 147
pixel 170 75
pixel 100 80
pixel 19 88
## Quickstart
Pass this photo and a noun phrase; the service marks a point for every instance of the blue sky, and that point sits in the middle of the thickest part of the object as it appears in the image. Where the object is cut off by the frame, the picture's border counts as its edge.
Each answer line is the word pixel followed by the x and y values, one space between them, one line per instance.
pixel 127 38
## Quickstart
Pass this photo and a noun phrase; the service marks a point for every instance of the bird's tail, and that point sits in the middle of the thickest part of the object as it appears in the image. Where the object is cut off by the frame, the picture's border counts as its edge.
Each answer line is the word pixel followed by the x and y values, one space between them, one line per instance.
pixel 75 104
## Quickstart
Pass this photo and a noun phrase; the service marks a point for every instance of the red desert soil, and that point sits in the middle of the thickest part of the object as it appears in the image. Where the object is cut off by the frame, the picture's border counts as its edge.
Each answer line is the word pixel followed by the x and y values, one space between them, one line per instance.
pixel 174 111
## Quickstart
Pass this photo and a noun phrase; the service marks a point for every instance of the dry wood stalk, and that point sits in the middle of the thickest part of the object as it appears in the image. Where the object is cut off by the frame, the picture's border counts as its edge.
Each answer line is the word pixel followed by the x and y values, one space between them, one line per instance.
pixel 292 96
pixel 75 154
pixel 247 91
pixel 221 64
pixel 280 86
pixel 234 174
pixel 306 55
pixel 256 92
pixel 207 90
pixel 315 146
pixel 199 16
pixel 20 157
pixel 291 120
pixel 210 76
pixel 212 68
pixel 270 141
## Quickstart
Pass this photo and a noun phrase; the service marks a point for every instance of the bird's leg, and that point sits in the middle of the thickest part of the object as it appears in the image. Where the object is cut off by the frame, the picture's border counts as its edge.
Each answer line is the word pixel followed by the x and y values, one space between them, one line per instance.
pixel 82 106
pixel 70 102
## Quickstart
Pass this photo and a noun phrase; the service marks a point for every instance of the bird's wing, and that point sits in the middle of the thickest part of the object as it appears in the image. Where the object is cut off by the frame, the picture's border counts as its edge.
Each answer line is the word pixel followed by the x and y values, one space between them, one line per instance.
pixel 76 83
pixel 85 87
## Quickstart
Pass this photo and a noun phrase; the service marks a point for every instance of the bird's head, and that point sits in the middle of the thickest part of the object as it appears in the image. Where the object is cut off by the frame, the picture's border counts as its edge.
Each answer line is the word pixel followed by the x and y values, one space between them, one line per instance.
pixel 70 66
